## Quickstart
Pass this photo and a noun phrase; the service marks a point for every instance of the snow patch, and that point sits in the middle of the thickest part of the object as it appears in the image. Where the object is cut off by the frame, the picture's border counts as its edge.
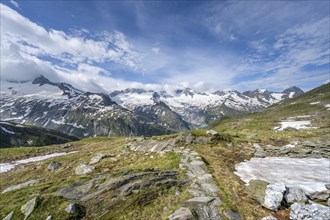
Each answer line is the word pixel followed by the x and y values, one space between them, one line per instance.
pixel 314 103
pixel 294 124
pixel 5 167
pixel 308 174
pixel 7 131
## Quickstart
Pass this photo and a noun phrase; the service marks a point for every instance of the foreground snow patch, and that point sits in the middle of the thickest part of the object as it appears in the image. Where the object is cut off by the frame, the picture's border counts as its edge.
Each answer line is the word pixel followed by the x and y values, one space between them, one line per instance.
pixel 5 167
pixel 293 124
pixel 308 174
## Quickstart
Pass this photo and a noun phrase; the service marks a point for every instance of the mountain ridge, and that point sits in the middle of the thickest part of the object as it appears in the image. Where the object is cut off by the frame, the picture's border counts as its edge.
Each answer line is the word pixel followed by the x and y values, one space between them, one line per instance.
pixel 61 106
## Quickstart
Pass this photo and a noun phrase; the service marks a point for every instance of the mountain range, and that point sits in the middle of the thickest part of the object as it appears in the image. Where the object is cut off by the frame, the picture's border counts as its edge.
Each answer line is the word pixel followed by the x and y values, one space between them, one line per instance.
pixel 62 107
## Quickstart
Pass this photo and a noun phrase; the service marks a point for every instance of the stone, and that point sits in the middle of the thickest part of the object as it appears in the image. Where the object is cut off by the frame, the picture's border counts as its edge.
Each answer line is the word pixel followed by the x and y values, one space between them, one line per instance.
pixel 66 146
pixel 274 195
pixel 20 186
pixel 269 218
pixel 293 195
pixel 320 196
pixel 181 214
pixel 212 132
pixel 52 166
pixel 84 169
pixel 202 200
pixel 76 190
pixel 99 157
pixel 29 207
pixel 9 216
pixel 49 217
pixel 230 215
pixel 310 211
pixel 260 153
pixel 256 190
pixel 71 208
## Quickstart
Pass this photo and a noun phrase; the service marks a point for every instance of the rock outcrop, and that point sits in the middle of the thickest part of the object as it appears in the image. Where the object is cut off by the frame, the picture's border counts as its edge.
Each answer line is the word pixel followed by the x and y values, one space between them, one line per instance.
pixel 84 169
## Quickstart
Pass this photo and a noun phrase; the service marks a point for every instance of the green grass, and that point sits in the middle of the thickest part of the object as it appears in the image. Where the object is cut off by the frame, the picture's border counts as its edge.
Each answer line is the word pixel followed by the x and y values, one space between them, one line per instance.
pixel 50 182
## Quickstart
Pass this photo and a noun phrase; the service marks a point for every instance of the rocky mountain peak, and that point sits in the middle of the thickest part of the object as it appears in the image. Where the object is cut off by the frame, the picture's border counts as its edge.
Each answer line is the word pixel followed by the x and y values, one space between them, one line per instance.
pixel 41 80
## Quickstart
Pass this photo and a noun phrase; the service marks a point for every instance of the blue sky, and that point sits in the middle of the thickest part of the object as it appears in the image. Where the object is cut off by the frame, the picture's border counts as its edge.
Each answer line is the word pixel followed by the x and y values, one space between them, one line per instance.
pixel 205 45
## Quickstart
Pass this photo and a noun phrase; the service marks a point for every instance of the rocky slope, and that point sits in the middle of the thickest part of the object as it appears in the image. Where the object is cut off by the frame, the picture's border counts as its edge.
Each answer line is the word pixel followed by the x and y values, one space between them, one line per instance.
pixel 21 135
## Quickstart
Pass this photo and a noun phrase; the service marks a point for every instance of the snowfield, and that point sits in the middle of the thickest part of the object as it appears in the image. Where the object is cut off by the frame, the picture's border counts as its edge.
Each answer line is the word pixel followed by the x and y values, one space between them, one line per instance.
pixel 5 167
pixel 308 174
pixel 294 124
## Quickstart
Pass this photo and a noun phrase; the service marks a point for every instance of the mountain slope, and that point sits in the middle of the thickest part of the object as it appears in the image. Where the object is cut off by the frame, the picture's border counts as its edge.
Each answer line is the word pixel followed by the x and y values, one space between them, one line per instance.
pixel 62 107
pixel 18 135
pixel 289 120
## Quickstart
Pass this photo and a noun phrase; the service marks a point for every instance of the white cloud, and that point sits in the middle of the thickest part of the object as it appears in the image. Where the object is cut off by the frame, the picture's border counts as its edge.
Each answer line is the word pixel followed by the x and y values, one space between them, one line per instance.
pixel 14 3
pixel 156 50
pixel 27 47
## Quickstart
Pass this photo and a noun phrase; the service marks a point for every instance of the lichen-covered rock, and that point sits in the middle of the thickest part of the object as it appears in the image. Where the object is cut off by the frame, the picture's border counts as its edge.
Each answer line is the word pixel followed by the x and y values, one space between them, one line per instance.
pixel 293 195
pixel 181 214
pixel 29 207
pixel 84 169
pixel 52 166
pixel 274 195
pixel 311 211
pixel 256 190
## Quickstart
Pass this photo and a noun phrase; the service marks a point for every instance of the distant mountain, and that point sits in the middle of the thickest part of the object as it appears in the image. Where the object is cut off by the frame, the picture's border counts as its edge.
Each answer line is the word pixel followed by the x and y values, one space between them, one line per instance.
pixel 18 135
pixel 127 112
pixel 201 109
pixel 62 107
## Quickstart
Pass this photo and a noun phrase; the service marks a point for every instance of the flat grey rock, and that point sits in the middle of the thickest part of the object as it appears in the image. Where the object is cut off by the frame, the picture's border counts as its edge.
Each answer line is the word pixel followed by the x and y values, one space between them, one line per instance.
pixel 181 214
pixel 29 207
pixel 20 186
pixel 202 200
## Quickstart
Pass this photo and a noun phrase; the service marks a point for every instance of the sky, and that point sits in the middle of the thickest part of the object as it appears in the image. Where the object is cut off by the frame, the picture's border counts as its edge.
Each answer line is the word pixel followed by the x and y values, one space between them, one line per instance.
pixel 102 46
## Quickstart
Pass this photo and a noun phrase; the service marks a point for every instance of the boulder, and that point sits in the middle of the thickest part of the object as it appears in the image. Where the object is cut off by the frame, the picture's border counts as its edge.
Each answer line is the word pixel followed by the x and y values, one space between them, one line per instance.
pixel 71 208
pixel 274 195
pixel 9 216
pixel 99 157
pixel 28 207
pixel 75 209
pixel 293 195
pixel 49 217
pixel 52 166
pixel 310 211
pixel 84 169
pixel 20 186
pixel 181 214
pixel 256 190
